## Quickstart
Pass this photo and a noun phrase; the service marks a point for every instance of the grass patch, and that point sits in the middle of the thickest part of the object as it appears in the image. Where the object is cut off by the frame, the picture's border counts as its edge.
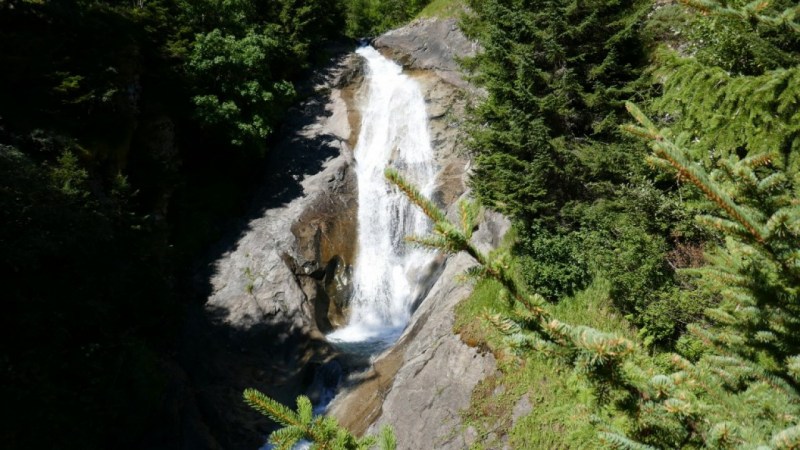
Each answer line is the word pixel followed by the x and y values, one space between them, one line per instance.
pixel 443 9
pixel 562 403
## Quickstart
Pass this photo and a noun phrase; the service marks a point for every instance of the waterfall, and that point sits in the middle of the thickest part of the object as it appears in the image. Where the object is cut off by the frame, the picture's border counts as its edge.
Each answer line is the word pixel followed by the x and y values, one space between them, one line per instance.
pixel 388 273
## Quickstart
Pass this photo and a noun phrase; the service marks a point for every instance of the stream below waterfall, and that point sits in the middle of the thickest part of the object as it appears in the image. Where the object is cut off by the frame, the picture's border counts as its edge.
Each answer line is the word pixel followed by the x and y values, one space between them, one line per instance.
pixel 389 275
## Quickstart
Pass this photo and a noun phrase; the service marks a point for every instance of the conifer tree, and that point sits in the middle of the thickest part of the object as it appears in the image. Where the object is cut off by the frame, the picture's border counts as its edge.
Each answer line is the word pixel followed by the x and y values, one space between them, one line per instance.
pixel 555 72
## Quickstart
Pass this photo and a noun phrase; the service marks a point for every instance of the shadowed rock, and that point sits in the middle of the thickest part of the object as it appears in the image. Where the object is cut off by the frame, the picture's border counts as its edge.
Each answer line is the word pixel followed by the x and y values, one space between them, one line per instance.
pixel 267 284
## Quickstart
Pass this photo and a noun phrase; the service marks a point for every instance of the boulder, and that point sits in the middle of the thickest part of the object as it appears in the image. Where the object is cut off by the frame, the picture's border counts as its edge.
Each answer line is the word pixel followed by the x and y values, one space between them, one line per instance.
pixel 429 44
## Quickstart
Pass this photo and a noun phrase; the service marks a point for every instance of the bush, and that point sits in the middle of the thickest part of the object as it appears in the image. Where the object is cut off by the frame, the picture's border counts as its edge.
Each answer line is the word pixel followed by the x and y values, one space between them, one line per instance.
pixel 552 264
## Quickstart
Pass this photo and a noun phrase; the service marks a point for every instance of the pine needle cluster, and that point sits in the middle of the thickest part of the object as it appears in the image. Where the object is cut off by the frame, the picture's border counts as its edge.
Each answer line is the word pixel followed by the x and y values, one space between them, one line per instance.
pixel 324 433
pixel 722 111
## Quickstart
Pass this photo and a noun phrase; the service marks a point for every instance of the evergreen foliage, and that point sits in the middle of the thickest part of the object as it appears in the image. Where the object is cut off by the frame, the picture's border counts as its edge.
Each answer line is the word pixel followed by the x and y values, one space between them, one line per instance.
pixel 366 18
pixel 740 392
pixel 323 432
pixel 750 12
pixel 756 271
pixel 735 115
pixel 548 152
pixel 554 89
pixel 730 114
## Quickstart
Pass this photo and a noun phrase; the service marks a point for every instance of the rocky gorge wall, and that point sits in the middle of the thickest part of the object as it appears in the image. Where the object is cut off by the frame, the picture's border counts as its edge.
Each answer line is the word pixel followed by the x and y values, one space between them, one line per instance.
pixel 273 286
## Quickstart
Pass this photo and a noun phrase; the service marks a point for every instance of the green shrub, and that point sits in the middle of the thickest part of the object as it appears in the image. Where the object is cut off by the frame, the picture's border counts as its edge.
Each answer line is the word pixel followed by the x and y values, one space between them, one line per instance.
pixel 552 264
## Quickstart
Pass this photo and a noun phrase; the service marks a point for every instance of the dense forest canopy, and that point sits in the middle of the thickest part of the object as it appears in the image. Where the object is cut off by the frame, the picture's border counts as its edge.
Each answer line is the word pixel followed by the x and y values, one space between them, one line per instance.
pixel 130 132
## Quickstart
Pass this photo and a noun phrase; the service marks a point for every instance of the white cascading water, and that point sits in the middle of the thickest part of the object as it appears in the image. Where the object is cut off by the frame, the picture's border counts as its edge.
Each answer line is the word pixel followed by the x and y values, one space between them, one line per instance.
pixel 388 271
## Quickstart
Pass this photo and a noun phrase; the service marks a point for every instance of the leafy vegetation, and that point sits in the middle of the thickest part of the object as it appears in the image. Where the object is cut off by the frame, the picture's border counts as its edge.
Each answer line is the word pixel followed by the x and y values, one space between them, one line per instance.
pixel 372 17
pixel 443 9
pixel 596 222
pixel 129 132
pixel 740 389
pixel 586 204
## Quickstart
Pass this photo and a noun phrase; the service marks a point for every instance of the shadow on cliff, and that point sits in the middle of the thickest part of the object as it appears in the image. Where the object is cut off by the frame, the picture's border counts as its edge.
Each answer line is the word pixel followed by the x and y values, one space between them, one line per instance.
pixel 204 389
pixel 293 159
pixel 216 362
pixel 295 155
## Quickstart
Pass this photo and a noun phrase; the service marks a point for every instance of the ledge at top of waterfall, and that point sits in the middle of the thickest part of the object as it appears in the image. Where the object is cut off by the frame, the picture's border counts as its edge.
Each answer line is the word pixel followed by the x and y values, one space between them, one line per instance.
pixel 389 275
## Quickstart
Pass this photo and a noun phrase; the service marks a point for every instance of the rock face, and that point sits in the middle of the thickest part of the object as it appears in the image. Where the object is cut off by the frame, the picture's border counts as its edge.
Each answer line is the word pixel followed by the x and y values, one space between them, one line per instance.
pixel 429 44
pixel 428 49
pixel 280 269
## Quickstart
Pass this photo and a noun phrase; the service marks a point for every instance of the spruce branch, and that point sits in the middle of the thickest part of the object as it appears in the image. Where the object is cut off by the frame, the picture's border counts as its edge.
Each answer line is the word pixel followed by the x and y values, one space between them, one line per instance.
pixel 430 242
pixel 323 432
pixel 271 408
pixel 594 349
pixel 387 439
pixel 793 367
pixel 788 439
pixel 468 211
pixel 668 151
pixel 743 325
pixel 455 240
pixel 619 442
pixel 413 194
pixel 724 435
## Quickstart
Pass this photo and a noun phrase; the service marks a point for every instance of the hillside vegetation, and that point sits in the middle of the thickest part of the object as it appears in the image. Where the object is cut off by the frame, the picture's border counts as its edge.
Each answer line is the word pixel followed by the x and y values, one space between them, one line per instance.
pixel 678 236
pixel 648 297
